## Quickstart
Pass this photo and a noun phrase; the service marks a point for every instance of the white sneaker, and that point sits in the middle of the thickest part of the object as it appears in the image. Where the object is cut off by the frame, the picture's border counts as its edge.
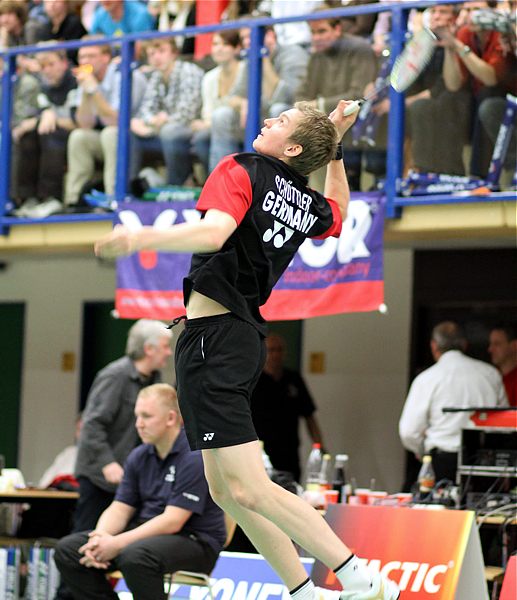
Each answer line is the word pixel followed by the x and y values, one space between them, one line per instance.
pixel 381 588
pixel 48 207
pixel 26 207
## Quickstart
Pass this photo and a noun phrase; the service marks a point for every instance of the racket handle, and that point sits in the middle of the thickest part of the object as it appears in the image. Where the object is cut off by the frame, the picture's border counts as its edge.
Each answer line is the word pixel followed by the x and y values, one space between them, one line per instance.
pixel 353 107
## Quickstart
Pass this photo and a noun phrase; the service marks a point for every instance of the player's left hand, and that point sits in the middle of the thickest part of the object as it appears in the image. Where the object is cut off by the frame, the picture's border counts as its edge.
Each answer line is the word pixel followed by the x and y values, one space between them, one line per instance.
pixel 120 242
pixel 341 122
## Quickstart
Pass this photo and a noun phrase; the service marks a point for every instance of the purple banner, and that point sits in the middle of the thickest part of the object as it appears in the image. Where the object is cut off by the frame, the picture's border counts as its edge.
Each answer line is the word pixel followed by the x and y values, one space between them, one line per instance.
pixel 325 277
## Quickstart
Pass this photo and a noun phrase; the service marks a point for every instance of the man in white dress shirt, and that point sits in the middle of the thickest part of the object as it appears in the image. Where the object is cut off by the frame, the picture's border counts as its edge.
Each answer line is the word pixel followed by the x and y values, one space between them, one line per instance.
pixel 455 381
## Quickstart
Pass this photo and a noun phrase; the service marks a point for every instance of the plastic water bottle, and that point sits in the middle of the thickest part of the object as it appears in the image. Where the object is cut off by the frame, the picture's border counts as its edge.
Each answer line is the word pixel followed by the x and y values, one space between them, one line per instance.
pixel 312 471
pixel 324 478
pixel 426 475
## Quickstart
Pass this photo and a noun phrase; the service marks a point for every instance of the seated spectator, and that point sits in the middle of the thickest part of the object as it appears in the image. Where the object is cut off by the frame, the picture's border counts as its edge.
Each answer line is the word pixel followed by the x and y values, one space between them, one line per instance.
pixel 162 519
pixel 36 19
pixel 60 23
pixel 13 16
pixel 39 179
pixel 172 16
pixel 98 100
pixel 218 87
pixel 478 59
pixel 503 353
pixel 118 17
pixel 340 66
pixel 88 9
pixel 492 110
pixel 25 106
pixel 361 25
pixel 382 28
pixel 428 100
pixel 296 32
pixel 63 467
pixel 171 102
pixel 283 69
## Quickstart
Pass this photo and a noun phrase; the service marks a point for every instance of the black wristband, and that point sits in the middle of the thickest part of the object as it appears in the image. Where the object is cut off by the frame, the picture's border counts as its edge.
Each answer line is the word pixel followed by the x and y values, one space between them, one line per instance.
pixel 339 152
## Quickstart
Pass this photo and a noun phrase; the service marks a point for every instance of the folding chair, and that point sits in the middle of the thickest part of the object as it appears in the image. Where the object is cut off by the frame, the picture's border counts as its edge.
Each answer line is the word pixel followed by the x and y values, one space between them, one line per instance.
pixel 192 578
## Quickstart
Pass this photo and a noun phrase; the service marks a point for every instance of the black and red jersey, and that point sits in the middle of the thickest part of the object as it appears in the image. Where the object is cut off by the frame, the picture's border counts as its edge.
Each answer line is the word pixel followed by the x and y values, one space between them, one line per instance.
pixel 275 212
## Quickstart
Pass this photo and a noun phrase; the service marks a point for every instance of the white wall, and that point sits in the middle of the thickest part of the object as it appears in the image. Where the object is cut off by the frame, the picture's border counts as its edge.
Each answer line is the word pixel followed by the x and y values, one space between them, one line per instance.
pixel 54 289
pixel 360 396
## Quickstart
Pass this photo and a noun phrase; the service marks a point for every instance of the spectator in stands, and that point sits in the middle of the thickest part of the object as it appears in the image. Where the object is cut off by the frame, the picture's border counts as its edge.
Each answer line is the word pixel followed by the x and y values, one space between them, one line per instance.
pixel 283 70
pixel 88 9
pixel 476 57
pixel 503 352
pixel 279 401
pixel 13 16
pixel 98 101
pixel 162 518
pixel 297 32
pixel 492 110
pixel 108 434
pixel 361 25
pixel 60 23
pixel 118 17
pixel 455 381
pixel 218 90
pixel 183 15
pixel 340 66
pixel 171 102
pixel 26 89
pixel 427 100
pixel 382 27
pixel 40 141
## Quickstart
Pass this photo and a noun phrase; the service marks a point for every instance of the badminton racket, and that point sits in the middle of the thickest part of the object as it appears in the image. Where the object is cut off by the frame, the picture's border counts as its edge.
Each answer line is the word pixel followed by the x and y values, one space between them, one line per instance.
pixel 409 64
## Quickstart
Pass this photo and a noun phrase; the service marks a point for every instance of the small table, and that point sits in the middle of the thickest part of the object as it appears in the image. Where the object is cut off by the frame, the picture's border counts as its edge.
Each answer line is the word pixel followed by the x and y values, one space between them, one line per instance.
pixel 50 513
pixel 32 495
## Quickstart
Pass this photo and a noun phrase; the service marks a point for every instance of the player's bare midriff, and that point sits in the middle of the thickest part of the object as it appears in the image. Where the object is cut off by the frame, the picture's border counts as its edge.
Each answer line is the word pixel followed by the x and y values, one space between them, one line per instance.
pixel 202 306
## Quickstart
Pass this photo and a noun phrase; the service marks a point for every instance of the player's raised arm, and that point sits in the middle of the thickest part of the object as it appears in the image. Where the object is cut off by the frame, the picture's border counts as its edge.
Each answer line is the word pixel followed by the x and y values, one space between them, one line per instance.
pixel 336 183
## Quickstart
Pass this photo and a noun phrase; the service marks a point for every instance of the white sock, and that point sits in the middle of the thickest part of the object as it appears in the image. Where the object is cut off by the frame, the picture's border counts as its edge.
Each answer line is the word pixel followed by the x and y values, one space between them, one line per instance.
pixel 305 591
pixel 353 575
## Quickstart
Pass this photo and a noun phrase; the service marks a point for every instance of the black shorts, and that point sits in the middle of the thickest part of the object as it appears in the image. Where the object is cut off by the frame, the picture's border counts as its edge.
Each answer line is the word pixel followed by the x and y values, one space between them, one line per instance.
pixel 218 362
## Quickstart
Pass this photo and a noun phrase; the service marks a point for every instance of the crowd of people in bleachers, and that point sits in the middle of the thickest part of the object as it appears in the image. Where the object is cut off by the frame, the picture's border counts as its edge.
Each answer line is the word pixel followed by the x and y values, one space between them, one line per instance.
pixel 188 112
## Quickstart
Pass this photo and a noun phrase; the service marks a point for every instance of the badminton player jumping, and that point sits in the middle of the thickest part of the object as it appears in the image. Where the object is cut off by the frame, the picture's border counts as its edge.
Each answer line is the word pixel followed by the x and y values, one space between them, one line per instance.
pixel 257 210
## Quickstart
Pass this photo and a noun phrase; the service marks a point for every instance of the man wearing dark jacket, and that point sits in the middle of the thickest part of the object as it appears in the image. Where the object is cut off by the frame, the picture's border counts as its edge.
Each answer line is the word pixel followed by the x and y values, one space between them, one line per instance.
pixel 109 434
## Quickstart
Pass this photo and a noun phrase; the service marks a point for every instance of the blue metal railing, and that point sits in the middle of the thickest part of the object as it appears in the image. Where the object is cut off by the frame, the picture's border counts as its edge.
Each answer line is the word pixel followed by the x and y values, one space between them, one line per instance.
pixel 394 201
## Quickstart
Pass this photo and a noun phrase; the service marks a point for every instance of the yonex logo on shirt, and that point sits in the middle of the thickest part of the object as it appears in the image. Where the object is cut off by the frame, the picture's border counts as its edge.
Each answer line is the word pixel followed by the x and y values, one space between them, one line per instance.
pixel 279 237
pixel 171 475
pixel 208 436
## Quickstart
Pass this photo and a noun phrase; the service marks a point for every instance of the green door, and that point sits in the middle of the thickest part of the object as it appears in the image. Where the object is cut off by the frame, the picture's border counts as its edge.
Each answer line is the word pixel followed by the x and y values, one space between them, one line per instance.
pixel 12 317
pixel 104 340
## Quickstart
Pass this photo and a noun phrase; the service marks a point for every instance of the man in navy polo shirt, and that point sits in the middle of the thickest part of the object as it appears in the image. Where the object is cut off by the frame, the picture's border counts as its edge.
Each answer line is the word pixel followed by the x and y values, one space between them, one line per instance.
pixel 162 519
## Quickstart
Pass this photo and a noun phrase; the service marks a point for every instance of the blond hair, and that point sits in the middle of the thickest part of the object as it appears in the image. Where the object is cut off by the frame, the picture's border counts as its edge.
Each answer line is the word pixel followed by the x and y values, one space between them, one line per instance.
pixel 164 393
pixel 317 136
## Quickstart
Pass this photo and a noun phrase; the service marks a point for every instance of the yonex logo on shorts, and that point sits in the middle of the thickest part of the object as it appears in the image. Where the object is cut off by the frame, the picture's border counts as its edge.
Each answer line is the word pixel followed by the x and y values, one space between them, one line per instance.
pixel 208 436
